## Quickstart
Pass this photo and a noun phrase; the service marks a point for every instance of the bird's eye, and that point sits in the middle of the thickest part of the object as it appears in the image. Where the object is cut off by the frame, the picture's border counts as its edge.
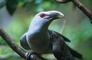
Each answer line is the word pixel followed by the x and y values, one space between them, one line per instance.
pixel 43 15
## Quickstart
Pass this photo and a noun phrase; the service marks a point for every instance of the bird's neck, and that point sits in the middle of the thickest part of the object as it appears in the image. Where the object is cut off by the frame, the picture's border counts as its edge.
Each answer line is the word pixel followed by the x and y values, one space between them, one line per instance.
pixel 38 34
pixel 39 27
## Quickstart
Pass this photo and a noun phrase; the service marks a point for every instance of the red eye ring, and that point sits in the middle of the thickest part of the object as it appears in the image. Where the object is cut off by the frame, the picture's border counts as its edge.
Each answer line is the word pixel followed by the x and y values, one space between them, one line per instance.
pixel 43 15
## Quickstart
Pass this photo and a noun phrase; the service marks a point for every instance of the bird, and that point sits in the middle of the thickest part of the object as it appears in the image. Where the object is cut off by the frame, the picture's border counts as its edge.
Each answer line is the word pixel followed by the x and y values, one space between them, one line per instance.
pixel 41 40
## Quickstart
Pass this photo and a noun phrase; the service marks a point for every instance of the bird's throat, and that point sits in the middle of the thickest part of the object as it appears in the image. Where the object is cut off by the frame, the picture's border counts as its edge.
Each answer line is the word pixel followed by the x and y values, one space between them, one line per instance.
pixel 38 39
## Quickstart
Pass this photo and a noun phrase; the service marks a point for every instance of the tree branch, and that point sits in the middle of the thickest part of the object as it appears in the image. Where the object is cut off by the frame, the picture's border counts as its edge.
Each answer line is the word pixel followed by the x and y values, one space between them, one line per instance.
pixel 63 1
pixel 83 8
pixel 12 44
pixel 80 6
pixel 15 47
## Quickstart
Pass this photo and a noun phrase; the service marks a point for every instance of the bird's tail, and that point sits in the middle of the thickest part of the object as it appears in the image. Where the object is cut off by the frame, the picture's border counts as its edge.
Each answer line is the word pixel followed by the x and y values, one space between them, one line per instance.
pixel 75 53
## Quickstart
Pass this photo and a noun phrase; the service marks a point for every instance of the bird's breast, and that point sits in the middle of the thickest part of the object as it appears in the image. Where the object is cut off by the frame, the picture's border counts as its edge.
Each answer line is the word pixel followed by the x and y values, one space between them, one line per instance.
pixel 39 43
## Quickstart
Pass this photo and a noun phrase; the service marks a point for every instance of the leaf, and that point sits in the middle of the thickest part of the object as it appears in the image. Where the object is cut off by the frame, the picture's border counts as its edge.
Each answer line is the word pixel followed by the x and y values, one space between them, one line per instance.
pixel 11 6
pixel 2 3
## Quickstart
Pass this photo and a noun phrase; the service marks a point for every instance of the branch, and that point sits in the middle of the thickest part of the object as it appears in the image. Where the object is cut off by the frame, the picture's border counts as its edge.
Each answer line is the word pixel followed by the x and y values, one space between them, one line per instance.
pixel 83 8
pixel 63 1
pixel 80 6
pixel 11 43
pixel 63 26
pixel 15 47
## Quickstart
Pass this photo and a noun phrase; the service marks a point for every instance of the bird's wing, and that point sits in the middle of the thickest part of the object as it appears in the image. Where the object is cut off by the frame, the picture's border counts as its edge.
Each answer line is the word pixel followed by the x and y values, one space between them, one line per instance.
pixel 23 42
pixel 60 49
pixel 51 32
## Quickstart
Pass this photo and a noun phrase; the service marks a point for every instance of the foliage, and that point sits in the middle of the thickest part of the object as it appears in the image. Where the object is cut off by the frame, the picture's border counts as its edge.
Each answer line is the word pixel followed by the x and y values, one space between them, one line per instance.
pixel 11 6
pixel 30 5
pixel 2 3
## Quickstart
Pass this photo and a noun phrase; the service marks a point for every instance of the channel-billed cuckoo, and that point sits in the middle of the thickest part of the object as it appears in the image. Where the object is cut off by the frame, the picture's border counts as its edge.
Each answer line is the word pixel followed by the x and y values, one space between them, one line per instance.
pixel 44 41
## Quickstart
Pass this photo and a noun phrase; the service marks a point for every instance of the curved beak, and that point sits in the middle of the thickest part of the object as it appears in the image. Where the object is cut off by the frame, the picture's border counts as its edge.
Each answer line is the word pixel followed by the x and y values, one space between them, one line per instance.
pixel 56 15
pixel 60 15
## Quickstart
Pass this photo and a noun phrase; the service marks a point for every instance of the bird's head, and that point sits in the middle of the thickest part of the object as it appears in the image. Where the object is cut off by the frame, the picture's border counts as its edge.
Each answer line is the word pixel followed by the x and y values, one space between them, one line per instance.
pixel 43 19
pixel 50 15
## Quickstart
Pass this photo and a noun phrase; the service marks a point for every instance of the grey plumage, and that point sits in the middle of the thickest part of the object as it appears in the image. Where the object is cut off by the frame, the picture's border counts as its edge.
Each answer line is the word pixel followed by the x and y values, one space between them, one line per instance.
pixel 43 41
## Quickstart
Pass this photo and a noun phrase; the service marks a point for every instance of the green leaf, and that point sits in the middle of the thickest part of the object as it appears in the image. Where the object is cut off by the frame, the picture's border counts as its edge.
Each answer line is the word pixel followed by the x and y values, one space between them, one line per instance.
pixel 11 6
pixel 2 3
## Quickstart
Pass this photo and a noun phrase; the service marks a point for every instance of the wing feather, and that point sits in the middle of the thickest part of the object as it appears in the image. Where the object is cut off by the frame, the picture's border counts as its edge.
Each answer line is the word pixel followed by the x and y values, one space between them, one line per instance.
pixel 60 49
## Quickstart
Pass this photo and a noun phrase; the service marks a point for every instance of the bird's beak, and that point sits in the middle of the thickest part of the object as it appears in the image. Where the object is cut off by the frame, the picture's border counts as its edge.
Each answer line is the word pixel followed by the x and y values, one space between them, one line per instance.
pixel 60 15
pixel 56 15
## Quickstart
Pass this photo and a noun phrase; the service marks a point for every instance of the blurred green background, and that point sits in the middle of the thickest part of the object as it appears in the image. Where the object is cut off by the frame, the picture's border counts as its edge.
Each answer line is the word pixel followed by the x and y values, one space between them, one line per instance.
pixel 16 15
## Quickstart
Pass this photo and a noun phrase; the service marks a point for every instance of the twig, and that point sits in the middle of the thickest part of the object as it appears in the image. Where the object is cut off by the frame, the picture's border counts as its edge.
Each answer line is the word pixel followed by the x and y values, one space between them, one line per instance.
pixel 11 43
pixel 80 6
pixel 16 48
pixel 83 8
pixel 63 26
pixel 63 1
